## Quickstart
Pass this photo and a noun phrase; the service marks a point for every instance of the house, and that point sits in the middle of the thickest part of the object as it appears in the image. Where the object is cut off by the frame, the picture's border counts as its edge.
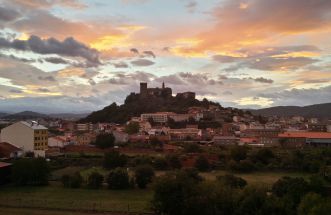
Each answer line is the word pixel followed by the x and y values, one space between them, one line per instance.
pixel 8 151
pixel 120 137
pixel 85 138
pixel 185 134
pixel 59 141
pixel 29 136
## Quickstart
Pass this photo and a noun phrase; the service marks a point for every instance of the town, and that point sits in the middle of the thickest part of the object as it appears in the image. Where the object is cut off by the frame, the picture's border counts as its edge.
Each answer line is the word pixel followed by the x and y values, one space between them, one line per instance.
pixel 205 140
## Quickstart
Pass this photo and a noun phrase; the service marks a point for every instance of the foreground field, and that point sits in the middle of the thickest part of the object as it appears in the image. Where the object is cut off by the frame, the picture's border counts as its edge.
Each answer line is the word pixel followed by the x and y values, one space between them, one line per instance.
pixel 56 197
pixel 46 200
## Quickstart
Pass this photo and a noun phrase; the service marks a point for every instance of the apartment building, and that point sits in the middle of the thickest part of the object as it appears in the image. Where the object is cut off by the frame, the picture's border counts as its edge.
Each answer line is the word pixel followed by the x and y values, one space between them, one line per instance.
pixel 29 136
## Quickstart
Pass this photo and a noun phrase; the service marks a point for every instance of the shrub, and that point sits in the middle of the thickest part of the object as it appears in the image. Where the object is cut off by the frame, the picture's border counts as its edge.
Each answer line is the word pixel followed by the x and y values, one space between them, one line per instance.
pixel 202 164
pixel 232 181
pixel 143 176
pixel 72 181
pixel 160 163
pixel 94 180
pixel 31 171
pixel 114 159
pixel 174 162
pixel 104 140
pixel 118 179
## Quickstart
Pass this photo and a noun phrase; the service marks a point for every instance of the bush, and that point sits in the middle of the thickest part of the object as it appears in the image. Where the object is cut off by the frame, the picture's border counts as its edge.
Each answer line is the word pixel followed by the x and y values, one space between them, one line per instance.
pixel 104 140
pixel 118 179
pixel 114 159
pixel 94 180
pixel 202 164
pixel 174 162
pixel 143 176
pixel 72 181
pixel 31 171
pixel 160 163
pixel 238 153
pixel 242 166
pixel 192 148
pixel 232 181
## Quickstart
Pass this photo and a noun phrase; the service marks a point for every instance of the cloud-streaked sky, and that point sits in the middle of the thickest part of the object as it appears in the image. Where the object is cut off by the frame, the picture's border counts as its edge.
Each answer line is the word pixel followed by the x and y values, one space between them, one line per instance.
pixel 81 55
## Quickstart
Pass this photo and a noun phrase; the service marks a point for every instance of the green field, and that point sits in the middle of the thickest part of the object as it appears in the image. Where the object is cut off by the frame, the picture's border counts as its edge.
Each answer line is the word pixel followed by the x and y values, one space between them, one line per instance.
pixel 56 197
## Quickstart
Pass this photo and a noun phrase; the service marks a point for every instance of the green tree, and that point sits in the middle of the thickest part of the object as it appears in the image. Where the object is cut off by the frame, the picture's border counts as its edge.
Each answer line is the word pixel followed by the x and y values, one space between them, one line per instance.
pixel 143 175
pixel 192 148
pixel 114 159
pixel 232 181
pixel 202 164
pixel 118 179
pixel 104 140
pixel 238 153
pixel 30 171
pixel 72 181
pixel 174 161
pixel 160 163
pixel 94 180
pixel 132 128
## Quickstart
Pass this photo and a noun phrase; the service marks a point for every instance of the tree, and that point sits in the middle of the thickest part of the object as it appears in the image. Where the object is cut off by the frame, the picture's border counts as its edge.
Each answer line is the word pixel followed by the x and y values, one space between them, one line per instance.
pixel 72 181
pixel 263 156
pixel 143 175
pixel 30 171
pixel 308 202
pixel 192 148
pixel 202 164
pixel 238 153
pixel 160 163
pixel 174 161
pixel 132 128
pixel 232 181
pixel 104 140
pixel 118 179
pixel 114 159
pixel 94 180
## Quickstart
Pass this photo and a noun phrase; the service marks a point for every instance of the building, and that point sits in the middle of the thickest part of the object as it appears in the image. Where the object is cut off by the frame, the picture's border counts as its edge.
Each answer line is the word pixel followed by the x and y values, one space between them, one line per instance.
pixel 226 140
pixel 120 137
pixel 59 141
pixel 29 136
pixel 318 127
pixel 84 127
pixel 159 117
pixel 8 151
pixel 159 92
pixel 186 95
pixel 302 138
pixel 85 138
pixel 185 134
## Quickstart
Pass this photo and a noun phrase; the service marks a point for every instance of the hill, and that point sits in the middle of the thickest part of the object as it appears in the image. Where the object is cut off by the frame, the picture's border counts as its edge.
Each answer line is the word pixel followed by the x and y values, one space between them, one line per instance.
pixel 317 110
pixel 135 105
pixel 25 115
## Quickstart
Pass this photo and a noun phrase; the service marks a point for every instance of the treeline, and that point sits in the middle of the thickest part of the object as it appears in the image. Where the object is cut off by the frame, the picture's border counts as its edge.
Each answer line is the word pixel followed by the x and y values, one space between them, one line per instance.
pixel 186 193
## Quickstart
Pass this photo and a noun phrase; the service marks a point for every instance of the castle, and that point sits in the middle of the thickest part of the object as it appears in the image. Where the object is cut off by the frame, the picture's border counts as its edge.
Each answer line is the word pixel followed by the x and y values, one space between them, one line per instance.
pixel 162 92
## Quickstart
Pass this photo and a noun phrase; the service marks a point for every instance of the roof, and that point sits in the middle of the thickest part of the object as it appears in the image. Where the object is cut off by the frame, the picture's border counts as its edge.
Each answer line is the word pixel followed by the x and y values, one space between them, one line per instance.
pixel 7 148
pixel 3 164
pixel 225 138
pixel 300 134
pixel 33 125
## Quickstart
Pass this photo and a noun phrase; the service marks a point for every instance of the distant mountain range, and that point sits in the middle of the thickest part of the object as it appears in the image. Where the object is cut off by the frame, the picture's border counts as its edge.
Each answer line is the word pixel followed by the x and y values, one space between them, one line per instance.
pixel 25 115
pixel 317 110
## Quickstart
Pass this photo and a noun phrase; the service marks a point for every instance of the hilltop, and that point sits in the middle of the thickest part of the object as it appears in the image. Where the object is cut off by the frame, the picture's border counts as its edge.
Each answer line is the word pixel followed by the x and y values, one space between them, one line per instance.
pixel 149 100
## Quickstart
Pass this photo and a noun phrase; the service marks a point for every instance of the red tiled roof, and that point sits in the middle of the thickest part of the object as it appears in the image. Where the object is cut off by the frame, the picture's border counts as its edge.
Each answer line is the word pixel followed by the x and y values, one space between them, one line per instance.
pixel 299 134
pixel 6 149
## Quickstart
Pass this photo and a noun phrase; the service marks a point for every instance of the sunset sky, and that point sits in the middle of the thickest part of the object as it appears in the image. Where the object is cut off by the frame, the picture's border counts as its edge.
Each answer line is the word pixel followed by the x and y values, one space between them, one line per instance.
pixel 82 55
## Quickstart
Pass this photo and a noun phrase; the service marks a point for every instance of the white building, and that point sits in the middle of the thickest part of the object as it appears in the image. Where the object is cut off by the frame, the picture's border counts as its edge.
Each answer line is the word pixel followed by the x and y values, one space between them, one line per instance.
pixel 30 137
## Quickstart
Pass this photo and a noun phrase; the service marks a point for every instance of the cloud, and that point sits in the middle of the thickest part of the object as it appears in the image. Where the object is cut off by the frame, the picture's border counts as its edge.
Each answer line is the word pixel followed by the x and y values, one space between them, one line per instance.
pixel 68 47
pixel 15 91
pixel 43 90
pixel 56 60
pixel 134 51
pixel 149 53
pixel 120 65
pixel 191 6
pixel 7 14
pixel 47 78
pixel 42 4
pixel 264 80
pixel 142 62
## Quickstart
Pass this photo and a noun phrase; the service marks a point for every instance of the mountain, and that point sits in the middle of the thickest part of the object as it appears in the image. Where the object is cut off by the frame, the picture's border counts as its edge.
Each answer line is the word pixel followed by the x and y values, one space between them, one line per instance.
pixel 25 115
pixel 317 110
pixel 3 114
pixel 135 104
pixel 69 115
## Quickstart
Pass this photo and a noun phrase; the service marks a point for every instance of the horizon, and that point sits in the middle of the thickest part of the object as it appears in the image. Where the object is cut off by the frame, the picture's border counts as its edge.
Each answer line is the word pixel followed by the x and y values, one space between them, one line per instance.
pixel 82 55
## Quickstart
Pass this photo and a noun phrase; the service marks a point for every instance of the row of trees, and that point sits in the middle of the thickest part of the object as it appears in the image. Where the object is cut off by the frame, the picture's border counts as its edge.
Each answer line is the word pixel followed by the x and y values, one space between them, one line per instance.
pixel 117 179
pixel 184 192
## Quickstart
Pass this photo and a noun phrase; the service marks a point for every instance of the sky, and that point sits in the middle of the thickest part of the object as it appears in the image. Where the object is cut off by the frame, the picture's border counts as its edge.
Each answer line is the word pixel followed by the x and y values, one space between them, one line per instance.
pixel 81 55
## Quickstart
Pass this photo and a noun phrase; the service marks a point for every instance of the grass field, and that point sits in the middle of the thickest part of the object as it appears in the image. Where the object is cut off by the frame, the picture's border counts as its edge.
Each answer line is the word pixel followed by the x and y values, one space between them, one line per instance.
pixel 56 197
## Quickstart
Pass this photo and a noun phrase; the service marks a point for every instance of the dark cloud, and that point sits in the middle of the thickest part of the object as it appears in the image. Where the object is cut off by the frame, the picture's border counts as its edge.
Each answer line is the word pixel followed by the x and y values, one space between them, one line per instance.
pixel 142 62
pixel 117 81
pixel 149 54
pixel 15 91
pixel 191 6
pixel 56 60
pixel 120 65
pixel 47 78
pixel 134 51
pixel 43 90
pixel 225 59
pixel 42 4
pixel 263 80
pixel 227 93
pixel 7 14
pixel 68 47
